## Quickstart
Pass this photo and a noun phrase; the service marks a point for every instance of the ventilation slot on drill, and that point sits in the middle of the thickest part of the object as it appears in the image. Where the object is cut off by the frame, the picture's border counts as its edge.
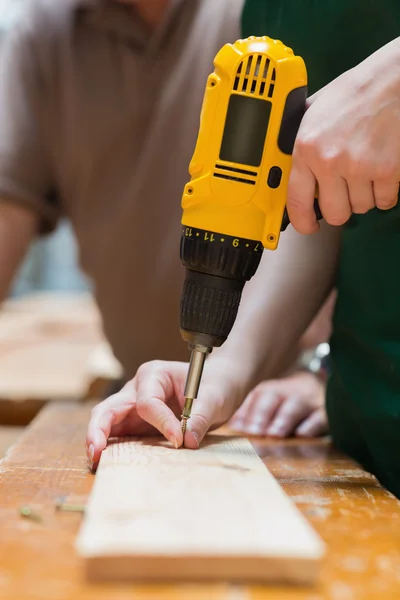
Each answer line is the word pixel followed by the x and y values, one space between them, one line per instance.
pixel 272 84
pixel 254 76
pixel 237 79
pixel 236 170
pixel 231 178
pixel 234 174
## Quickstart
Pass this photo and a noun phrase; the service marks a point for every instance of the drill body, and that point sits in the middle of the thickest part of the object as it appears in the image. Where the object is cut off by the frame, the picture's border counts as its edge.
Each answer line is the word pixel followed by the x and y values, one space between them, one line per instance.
pixel 234 205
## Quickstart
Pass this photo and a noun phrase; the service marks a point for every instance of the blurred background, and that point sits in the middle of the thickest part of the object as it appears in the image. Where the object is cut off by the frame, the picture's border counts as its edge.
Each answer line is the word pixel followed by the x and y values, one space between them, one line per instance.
pixel 52 345
pixel 51 264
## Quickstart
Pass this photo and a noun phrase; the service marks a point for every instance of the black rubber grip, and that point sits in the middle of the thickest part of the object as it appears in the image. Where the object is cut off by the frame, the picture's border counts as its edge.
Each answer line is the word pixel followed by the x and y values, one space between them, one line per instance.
pixel 217 267
pixel 292 116
pixel 209 307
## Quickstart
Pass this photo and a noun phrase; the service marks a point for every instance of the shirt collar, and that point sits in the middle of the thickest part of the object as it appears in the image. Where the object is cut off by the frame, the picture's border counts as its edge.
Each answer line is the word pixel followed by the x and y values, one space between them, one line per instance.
pixel 122 21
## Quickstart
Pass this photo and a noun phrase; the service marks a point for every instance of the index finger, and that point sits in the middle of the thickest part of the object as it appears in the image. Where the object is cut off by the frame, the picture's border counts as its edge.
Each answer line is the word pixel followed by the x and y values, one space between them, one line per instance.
pixel 300 200
pixel 152 394
pixel 105 416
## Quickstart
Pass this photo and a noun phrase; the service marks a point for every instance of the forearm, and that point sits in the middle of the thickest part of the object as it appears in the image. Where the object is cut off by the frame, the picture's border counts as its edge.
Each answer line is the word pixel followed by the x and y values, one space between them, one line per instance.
pixel 279 303
pixel 320 329
pixel 17 230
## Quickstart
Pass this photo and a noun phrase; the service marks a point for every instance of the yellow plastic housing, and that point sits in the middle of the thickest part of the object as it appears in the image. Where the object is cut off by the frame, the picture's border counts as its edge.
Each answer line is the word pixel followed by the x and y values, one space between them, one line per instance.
pixel 257 67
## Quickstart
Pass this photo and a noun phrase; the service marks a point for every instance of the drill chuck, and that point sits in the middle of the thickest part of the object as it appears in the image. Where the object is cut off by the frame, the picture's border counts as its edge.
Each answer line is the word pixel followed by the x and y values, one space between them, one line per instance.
pixel 217 267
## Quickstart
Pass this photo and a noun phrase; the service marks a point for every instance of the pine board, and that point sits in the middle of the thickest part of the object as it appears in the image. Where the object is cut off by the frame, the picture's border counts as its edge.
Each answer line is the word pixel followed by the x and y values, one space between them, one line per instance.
pixel 156 513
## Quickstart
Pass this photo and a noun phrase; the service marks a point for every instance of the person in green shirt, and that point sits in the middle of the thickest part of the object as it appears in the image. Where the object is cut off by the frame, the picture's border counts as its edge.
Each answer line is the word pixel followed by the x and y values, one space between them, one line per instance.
pixel 348 144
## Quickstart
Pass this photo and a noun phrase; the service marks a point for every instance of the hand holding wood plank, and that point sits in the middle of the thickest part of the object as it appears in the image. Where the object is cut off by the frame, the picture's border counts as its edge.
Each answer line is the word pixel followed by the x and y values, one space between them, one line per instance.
pixel 154 398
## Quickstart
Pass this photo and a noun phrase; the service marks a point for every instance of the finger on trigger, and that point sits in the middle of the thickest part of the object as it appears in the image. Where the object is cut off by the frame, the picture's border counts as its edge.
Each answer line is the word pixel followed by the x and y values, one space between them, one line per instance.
pixel 301 195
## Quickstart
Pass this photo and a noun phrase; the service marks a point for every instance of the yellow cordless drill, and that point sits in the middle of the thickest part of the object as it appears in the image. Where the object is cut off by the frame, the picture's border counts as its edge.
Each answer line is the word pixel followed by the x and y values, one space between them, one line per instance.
pixel 235 203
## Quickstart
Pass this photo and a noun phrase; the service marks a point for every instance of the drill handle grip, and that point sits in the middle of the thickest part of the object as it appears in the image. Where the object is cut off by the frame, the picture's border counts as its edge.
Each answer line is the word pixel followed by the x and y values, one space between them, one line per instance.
pixel 294 110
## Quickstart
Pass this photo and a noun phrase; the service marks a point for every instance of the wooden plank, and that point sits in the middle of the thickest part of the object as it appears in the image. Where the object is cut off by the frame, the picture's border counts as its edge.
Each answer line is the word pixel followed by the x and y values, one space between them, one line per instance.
pixel 214 513
pixel 8 437
pixel 358 519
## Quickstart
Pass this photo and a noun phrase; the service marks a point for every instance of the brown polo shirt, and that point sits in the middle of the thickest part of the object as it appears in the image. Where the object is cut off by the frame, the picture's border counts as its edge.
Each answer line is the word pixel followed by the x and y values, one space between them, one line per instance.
pixel 98 121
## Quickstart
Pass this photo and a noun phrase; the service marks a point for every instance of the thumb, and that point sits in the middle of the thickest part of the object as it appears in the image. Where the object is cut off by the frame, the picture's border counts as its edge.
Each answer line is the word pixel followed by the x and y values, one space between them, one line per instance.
pixel 202 418
pixel 311 99
pixel 316 95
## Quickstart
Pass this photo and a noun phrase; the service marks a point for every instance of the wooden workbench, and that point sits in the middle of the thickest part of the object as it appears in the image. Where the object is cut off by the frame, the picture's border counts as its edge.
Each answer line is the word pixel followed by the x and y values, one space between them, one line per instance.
pixel 8 437
pixel 359 520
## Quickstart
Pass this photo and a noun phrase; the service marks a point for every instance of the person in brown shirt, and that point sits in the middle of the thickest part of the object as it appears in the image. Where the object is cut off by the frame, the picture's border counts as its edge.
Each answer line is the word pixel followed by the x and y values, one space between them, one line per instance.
pixel 99 112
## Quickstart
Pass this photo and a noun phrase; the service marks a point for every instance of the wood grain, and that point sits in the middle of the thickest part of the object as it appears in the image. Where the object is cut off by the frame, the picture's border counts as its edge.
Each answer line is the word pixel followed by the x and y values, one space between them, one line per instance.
pixel 8 437
pixel 216 513
pixel 357 518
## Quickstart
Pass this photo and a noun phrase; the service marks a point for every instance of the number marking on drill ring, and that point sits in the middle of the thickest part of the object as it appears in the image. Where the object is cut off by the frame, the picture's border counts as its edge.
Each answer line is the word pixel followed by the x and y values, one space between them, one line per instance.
pixel 212 236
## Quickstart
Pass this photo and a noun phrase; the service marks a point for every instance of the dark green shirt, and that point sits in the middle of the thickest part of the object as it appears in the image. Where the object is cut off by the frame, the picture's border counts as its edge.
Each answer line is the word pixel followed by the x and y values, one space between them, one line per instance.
pixel 363 398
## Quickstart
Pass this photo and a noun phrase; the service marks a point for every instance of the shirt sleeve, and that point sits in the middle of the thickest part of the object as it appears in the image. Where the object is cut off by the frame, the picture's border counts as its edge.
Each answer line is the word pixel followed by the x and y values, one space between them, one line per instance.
pixel 26 171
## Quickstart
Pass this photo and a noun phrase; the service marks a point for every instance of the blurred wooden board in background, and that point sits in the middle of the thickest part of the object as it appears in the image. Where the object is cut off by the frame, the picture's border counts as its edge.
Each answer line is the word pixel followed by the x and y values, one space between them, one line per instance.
pixel 52 347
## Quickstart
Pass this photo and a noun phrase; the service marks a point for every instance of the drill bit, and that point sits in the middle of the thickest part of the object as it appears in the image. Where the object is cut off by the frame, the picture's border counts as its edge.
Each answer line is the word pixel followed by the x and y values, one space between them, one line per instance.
pixel 197 360
pixel 186 413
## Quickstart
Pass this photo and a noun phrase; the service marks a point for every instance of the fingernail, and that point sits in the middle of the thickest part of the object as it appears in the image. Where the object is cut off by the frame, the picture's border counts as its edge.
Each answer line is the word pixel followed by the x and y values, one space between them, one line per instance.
pixel 91 452
pixel 236 425
pixel 253 429
pixel 196 439
pixel 174 441
pixel 276 429
pixel 304 431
